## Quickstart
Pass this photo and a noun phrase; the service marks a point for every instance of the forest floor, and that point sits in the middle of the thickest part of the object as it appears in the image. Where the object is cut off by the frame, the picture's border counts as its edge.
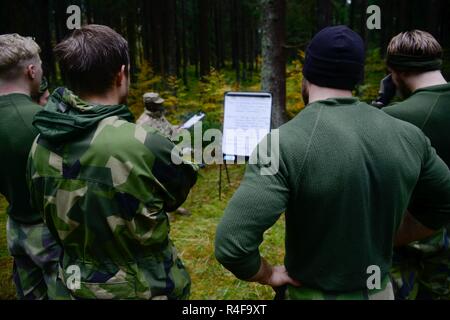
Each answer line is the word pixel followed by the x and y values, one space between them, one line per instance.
pixel 194 238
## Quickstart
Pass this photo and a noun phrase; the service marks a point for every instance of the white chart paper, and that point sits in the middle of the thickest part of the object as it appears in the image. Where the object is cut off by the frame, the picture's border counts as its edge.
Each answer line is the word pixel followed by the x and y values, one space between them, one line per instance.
pixel 246 122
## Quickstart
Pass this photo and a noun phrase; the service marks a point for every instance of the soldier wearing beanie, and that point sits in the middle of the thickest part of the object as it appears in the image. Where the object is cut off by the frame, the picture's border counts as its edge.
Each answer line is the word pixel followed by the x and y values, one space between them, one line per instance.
pixel 347 173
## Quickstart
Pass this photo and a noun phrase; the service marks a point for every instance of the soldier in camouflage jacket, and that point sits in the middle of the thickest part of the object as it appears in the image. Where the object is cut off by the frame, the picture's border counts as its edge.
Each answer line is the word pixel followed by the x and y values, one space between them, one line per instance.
pixel 104 186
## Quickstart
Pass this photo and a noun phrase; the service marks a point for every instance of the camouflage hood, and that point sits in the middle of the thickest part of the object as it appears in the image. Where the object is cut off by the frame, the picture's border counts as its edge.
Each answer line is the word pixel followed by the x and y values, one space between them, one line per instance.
pixel 66 116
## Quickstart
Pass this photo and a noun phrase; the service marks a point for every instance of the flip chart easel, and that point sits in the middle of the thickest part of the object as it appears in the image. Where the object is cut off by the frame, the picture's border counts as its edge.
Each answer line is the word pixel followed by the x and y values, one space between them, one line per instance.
pixel 247 120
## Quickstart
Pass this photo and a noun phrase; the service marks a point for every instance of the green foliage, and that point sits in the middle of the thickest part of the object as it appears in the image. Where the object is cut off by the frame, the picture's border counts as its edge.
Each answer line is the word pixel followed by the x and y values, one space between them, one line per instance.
pixel 170 88
pixel 211 91
pixel 294 100
pixel 146 81
pixel 375 70
pixel 7 290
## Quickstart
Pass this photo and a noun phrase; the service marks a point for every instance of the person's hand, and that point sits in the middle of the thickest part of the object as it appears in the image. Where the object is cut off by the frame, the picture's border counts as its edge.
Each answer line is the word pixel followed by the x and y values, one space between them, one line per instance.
pixel 280 277
pixel 387 92
pixel 273 276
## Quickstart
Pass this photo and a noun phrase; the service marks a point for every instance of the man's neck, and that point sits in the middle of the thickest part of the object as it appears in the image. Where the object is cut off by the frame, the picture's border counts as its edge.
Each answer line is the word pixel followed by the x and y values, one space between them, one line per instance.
pixel 317 93
pixel 107 99
pixel 12 88
pixel 426 79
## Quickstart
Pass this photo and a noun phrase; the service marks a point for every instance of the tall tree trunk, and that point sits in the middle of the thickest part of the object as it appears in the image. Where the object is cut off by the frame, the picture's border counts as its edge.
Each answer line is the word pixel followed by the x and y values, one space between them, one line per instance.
pixel 235 45
pixel 204 37
pixel 251 48
pixel 131 34
pixel 46 40
pixel 218 38
pixel 60 19
pixel 324 13
pixel 157 44
pixel 146 27
pixel 220 34
pixel 183 41
pixel 363 21
pixel 273 73
pixel 171 38
pixel 445 26
pixel 352 15
pixel 387 25
pixel 433 17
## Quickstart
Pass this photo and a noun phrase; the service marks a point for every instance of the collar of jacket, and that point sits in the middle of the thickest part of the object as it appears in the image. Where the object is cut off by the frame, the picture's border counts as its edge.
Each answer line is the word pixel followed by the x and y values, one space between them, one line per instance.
pixel 66 116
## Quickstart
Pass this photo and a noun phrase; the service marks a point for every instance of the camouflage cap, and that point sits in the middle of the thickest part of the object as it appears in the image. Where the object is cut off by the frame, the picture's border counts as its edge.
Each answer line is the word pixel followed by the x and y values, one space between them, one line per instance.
pixel 152 97
pixel 44 85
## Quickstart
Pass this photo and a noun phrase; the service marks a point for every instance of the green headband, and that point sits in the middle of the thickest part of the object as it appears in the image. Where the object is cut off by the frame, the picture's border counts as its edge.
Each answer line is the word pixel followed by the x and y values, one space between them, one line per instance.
pixel 413 63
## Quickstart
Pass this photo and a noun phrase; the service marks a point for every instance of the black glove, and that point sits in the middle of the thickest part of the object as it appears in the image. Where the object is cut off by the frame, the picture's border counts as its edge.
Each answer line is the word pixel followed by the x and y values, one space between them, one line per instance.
pixel 387 92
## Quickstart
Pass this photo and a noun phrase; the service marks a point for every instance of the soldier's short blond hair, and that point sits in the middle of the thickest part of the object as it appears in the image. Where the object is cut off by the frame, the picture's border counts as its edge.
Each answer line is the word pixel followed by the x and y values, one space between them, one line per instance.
pixel 415 43
pixel 15 51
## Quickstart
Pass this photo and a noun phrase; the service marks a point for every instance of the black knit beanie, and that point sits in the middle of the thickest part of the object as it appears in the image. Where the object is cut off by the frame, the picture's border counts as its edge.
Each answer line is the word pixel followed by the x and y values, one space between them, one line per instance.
pixel 335 58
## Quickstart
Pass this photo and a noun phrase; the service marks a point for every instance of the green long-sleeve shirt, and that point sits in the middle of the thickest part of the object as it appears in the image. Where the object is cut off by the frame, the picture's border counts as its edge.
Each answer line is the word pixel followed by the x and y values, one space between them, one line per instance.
pixel 428 109
pixel 16 137
pixel 347 172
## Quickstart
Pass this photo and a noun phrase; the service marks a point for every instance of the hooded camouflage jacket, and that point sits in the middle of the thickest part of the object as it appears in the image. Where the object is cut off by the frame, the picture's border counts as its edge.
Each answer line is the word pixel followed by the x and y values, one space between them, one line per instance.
pixel 104 186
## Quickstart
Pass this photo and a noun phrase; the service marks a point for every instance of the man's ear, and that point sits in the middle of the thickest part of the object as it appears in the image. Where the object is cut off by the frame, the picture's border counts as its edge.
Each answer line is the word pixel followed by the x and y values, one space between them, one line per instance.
pixel 31 71
pixel 121 76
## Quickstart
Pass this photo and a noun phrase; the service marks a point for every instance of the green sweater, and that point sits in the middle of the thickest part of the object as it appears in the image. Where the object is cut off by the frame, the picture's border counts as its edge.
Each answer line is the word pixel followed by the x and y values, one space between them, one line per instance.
pixel 429 109
pixel 346 174
pixel 16 137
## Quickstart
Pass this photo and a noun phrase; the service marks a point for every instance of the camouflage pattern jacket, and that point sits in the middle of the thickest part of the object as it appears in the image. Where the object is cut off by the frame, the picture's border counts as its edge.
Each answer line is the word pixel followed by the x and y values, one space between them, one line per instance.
pixel 158 121
pixel 104 186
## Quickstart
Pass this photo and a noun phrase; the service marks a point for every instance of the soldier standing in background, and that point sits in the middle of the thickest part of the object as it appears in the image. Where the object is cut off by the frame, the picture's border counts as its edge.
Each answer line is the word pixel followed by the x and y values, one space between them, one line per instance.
pixel 154 116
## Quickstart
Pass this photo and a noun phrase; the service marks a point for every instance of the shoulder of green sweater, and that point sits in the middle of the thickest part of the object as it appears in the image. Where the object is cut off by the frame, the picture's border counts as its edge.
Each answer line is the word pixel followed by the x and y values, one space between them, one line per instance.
pixel 418 99
pixel 299 129
pixel 417 109
pixel 26 109
pixel 414 135
pixel 295 137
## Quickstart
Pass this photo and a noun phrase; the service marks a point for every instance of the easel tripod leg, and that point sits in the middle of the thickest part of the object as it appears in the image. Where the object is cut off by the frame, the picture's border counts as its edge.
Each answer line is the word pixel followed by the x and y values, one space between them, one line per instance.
pixel 220 182
pixel 226 170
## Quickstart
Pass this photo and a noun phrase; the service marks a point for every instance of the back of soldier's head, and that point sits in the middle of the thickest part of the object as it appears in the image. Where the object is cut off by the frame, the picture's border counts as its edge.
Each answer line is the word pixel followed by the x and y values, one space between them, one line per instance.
pixel 414 51
pixel 16 53
pixel 91 58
